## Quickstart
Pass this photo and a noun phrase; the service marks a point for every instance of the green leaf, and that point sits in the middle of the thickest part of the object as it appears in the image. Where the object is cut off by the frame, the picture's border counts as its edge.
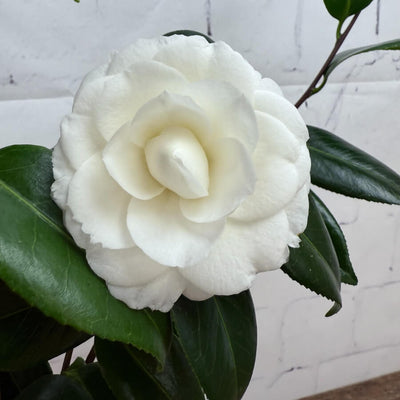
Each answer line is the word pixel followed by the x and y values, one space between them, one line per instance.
pixel 338 166
pixel 219 338
pixel 89 376
pixel 339 242
pixel 27 336
pixel 8 388
pixel 344 55
pixel 315 264
pixel 188 32
pixel 55 387
pixel 341 9
pixel 134 374
pixel 40 261
pixel 26 377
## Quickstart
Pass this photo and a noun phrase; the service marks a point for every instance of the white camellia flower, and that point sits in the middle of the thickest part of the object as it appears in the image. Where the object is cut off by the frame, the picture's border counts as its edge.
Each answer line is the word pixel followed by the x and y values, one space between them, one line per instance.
pixel 181 171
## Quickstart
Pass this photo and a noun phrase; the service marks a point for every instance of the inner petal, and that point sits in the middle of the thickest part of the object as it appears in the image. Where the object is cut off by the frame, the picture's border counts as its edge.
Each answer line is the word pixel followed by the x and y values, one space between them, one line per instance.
pixel 176 160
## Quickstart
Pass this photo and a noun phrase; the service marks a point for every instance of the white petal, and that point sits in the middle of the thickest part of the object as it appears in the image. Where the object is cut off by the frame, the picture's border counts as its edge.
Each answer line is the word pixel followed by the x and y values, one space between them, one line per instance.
pixel 62 172
pixel 159 294
pixel 158 227
pixel 125 267
pixel 90 91
pixel 276 185
pixel 126 92
pixel 241 252
pixel 176 159
pixel 79 139
pixel 269 85
pixel 141 50
pixel 192 292
pixel 75 229
pixel 169 110
pixel 126 163
pixel 229 112
pixel 276 139
pixel 278 175
pixel 280 108
pixel 303 165
pixel 198 60
pixel 297 210
pixel 99 204
pixel 232 179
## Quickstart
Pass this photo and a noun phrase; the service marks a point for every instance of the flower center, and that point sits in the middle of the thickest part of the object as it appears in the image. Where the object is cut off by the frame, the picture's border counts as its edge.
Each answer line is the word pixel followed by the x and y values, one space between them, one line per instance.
pixel 176 160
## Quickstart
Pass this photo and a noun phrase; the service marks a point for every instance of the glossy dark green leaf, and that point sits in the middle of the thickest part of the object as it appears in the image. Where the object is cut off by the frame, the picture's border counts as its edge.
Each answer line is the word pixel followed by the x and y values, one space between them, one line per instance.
pixel 341 9
pixel 339 242
pixel 188 32
pixel 26 377
pixel 315 264
pixel 89 376
pixel 338 166
pixel 55 387
pixel 344 55
pixel 219 338
pixel 133 374
pixel 40 261
pixel 8 388
pixel 27 336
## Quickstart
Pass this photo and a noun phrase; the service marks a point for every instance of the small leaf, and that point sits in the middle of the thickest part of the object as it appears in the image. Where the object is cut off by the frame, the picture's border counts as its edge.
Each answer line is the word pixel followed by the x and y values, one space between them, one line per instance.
pixel 55 387
pixel 187 32
pixel 344 55
pixel 338 166
pixel 339 242
pixel 27 336
pixel 219 338
pixel 132 373
pixel 40 261
pixel 341 9
pixel 89 376
pixel 315 264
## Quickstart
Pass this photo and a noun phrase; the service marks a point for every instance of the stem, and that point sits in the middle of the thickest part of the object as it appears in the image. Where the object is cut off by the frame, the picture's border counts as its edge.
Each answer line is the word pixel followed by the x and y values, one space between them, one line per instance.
pixel 310 90
pixel 91 356
pixel 67 360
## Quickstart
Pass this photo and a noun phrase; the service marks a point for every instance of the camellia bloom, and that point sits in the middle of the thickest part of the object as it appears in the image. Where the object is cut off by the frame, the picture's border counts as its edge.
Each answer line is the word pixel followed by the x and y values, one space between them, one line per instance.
pixel 181 171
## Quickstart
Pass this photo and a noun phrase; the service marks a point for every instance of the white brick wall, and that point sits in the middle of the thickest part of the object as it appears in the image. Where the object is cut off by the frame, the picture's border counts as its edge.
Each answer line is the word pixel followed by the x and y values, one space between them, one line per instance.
pixel 46 48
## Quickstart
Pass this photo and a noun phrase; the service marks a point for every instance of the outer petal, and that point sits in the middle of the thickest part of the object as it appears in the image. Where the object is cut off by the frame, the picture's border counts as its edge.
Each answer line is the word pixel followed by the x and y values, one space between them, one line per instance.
pixel 125 267
pixel 75 229
pixel 297 210
pixel 158 227
pixel 232 179
pixel 270 86
pixel 198 60
pixel 241 252
pixel 280 108
pixel 159 294
pixel 79 139
pixel 141 50
pixel 126 163
pixel 126 92
pixel 62 172
pixel 278 178
pixel 89 91
pixel 229 112
pixel 100 205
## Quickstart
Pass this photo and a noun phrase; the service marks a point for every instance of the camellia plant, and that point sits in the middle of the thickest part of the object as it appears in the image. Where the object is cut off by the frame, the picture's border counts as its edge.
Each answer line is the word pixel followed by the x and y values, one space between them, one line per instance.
pixel 179 175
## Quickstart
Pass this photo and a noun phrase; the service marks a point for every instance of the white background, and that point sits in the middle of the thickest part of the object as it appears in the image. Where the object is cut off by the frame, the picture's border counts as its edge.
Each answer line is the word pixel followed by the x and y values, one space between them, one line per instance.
pixel 47 47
